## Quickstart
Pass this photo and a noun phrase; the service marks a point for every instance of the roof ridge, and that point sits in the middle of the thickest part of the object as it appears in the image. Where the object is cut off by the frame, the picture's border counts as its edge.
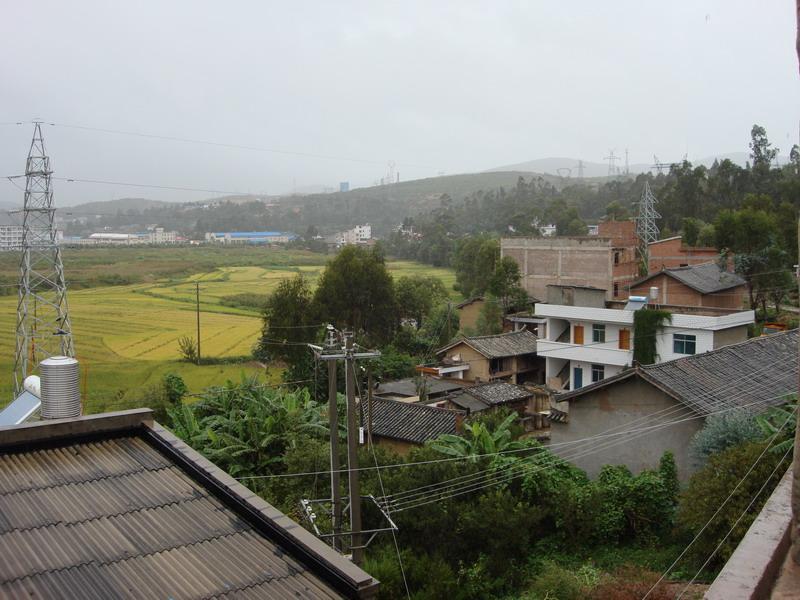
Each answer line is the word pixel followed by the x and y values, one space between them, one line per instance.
pixel 493 335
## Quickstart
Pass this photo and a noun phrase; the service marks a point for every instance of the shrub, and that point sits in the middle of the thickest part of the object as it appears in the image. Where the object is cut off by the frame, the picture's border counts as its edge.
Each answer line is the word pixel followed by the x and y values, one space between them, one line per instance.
pixel 555 582
pixel 711 485
pixel 721 432
pixel 187 347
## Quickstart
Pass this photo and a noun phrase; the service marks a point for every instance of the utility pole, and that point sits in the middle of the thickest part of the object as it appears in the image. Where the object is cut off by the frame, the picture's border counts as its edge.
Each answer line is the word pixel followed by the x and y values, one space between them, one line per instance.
pixel 332 355
pixel 333 417
pixel 352 450
pixel 197 304
pixel 43 323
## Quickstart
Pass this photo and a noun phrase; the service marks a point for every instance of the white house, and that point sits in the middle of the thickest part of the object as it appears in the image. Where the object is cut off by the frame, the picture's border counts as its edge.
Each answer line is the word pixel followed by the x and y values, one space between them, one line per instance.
pixel 357 235
pixel 586 344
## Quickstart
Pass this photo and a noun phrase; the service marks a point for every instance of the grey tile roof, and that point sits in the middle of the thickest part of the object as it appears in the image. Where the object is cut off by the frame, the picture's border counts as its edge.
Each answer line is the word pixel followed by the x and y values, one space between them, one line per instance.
pixel 513 343
pixel 408 387
pixel 758 372
pixel 499 392
pixel 124 514
pixel 410 421
pixel 468 402
pixel 759 369
pixel 706 278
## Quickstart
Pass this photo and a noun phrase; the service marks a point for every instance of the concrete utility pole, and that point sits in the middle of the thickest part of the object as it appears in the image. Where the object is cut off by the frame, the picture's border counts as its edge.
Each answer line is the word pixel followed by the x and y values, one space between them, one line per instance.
pixel 333 417
pixel 352 450
pixel 332 355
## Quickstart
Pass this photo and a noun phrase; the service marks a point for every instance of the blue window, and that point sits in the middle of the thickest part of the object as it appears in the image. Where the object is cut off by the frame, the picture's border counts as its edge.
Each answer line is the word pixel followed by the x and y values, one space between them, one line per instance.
pixel 684 344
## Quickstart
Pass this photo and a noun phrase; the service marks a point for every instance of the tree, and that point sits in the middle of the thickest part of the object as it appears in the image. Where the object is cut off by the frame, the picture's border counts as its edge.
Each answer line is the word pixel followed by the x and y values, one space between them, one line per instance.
pixel 504 285
pixel 474 263
pixel 356 291
pixel 479 439
pixel 187 346
pixel 690 230
pixel 417 295
pixel 616 212
pixel 288 322
pixel 490 317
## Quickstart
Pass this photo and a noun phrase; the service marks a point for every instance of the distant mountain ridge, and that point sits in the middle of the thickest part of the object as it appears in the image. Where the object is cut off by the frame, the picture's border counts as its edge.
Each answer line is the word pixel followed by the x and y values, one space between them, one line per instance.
pixel 569 167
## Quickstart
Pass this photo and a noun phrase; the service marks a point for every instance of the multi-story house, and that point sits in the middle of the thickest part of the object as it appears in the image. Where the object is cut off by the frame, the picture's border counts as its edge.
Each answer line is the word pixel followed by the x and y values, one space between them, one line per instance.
pixel 585 342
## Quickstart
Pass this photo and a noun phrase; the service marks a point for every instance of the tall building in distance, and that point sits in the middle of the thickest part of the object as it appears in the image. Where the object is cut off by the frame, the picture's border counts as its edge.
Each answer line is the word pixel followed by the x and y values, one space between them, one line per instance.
pixel 43 324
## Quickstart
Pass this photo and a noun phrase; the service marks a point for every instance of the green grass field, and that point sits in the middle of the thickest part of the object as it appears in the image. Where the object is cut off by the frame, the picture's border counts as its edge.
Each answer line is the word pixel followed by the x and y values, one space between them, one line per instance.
pixel 126 335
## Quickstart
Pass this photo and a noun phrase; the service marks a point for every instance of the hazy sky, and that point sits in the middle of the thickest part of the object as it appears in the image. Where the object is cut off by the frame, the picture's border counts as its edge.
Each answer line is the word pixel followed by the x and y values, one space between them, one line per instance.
pixel 435 86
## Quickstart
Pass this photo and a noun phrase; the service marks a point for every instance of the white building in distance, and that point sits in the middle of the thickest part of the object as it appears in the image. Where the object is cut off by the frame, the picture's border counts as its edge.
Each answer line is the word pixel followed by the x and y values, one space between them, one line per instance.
pixel 360 234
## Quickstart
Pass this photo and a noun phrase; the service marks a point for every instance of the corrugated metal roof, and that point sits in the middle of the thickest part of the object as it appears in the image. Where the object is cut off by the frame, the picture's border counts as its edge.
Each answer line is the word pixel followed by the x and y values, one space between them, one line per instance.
pixel 117 518
pixel 410 422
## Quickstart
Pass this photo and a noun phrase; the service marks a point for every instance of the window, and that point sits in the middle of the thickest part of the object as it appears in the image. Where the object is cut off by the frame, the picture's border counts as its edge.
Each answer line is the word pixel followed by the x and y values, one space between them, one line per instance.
pixel 684 344
pixel 616 290
pixel 578 334
pixel 598 333
pixel 616 258
pixel 624 339
pixel 598 372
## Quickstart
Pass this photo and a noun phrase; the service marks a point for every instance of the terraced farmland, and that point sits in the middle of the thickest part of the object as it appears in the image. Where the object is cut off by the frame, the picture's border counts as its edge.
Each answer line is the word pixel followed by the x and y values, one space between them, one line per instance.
pixel 126 336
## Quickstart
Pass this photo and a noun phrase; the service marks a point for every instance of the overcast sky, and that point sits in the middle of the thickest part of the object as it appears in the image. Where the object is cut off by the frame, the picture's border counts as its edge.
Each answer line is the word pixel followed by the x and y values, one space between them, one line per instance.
pixel 434 86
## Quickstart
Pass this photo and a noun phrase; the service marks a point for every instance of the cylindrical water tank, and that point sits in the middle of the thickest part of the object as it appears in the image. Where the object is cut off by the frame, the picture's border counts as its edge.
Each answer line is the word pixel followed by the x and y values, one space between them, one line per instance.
pixel 33 385
pixel 654 293
pixel 61 394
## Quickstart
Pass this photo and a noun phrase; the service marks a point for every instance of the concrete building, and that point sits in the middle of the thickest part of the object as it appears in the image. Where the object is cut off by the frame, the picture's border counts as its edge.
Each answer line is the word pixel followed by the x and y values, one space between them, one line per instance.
pixel 671 400
pixel 360 234
pixel 703 285
pixel 250 237
pixel 606 260
pixel 670 253
pixel 588 343
pixel 10 237
pixel 159 236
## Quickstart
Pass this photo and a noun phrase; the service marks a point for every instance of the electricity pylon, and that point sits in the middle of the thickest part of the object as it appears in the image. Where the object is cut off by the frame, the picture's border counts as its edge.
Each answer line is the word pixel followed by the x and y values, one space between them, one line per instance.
pixel 43 324
pixel 646 227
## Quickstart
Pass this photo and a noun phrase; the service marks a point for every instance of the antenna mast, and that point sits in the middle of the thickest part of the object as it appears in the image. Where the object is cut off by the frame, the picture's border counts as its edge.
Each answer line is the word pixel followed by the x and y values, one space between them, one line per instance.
pixel 646 227
pixel 43 324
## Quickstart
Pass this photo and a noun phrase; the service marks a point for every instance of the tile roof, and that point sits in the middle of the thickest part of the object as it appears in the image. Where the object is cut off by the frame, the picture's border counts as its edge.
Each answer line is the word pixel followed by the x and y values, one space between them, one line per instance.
pixel 483 396
pixel 512 343
pixel 91 508
pixel 706 278
pixel 761 370
pixel 408 387
pixel 410 422
pixel 499 392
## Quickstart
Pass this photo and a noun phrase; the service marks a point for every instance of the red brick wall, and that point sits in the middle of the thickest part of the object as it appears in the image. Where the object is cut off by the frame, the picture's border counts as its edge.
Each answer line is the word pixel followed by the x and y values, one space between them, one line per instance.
pixel 672 253
pixel 671 291
pixel 625 268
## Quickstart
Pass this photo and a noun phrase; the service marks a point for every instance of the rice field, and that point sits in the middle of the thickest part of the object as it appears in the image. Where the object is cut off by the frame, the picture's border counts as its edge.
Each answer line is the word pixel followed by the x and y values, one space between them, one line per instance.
pixel 126 336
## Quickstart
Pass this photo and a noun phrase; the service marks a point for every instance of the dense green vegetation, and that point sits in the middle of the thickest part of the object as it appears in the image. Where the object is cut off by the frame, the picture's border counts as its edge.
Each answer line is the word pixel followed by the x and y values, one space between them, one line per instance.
pixel 531 526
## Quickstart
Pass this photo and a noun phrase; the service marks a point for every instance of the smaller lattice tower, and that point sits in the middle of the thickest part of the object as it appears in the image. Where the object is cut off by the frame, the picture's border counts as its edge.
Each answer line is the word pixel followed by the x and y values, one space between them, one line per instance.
pixel 43 324
pixel 646 227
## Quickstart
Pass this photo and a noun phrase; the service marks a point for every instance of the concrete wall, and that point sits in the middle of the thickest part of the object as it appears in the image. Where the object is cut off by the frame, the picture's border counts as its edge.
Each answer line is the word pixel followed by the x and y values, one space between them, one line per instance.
pixel 726 337
pixel 671 253
pixel 576 296
pixel 561 260
pixel 613 407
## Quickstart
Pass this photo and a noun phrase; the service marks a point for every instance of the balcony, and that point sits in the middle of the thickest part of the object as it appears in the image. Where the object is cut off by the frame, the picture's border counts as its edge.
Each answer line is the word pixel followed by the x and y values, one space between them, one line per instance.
pixel 605 354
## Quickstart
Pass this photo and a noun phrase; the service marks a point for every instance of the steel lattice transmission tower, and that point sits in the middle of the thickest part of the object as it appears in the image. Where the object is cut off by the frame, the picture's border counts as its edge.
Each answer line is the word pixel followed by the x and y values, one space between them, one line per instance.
pixel 43 324
pixel 646 227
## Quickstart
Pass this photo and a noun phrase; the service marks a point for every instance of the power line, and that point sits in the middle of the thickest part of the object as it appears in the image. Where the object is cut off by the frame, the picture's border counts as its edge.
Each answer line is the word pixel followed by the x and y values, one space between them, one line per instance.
pixel 741 516
pixel 721 506
pixel 170 138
